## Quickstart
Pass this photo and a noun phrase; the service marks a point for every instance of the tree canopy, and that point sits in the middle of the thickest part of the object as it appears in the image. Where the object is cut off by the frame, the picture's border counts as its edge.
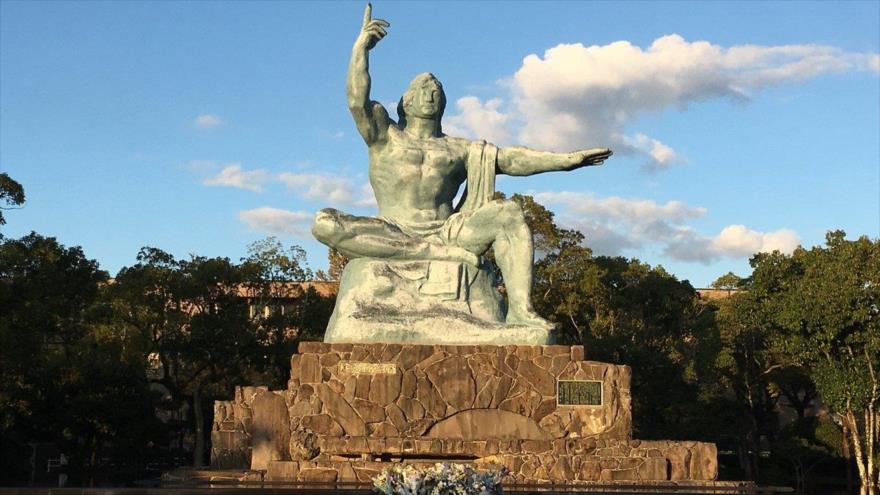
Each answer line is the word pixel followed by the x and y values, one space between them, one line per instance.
pixel 11 195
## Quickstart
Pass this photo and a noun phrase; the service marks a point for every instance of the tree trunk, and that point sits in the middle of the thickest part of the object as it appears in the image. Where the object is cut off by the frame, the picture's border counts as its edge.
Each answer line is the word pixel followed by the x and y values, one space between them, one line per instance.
pixel 865 464
pixel 743 456
pixel 847 456
pixel 199 454
pixel 870 432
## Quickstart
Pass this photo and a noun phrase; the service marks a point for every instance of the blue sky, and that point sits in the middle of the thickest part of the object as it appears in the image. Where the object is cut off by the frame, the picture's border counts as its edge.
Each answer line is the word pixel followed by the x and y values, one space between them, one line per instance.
pixel 201 127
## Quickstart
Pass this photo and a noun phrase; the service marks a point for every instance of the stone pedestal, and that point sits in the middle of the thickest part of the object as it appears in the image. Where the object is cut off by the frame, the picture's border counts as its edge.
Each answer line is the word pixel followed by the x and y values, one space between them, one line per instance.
pixel 542 411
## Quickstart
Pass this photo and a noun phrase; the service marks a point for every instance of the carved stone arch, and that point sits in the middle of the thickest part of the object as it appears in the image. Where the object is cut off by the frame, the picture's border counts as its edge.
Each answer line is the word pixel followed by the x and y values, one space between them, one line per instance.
pixel 485 424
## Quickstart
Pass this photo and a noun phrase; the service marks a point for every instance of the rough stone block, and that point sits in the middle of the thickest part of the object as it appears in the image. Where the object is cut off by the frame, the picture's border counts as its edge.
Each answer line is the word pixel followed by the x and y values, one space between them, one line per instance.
pixel 318 474
pixel 271 430
pixel 341 411
pixel 310 369
pixel 653 469
pixel 455 381
pixel 703 464
pixel 282 470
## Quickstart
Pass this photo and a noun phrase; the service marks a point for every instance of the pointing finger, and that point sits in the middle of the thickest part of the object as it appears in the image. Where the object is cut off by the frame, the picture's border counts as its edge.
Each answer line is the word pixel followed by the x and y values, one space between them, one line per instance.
pixel 368 13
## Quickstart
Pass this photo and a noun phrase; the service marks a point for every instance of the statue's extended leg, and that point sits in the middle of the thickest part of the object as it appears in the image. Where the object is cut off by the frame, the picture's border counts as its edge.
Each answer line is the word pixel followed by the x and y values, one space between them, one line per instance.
pixel 503 225
pixel 368 237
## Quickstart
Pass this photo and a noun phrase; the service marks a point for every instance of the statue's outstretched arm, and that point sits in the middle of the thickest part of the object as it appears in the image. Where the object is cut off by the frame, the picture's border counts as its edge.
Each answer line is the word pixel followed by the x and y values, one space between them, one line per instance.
pixel 369 116
pixel 518 160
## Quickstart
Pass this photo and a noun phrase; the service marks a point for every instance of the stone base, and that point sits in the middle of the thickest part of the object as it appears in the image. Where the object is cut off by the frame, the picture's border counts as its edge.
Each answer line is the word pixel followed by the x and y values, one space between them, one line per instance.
pixel 544 412
pixel 441 391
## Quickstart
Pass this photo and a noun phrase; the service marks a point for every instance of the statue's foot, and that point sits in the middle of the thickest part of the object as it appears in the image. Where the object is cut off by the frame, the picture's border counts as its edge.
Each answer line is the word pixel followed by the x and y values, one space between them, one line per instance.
pixel 528 318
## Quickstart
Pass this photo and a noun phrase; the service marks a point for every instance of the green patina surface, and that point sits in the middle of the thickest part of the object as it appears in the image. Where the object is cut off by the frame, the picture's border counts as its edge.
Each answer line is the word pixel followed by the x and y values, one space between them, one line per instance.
pixel 432 249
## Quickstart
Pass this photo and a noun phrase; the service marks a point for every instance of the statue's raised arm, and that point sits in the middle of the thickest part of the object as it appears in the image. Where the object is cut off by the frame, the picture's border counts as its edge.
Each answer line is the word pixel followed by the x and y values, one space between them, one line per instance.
pixel 370 117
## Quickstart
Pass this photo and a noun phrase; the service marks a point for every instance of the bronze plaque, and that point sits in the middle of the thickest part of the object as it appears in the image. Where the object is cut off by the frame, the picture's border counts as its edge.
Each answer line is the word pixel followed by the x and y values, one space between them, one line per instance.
pixel 578 393
pixel 357 368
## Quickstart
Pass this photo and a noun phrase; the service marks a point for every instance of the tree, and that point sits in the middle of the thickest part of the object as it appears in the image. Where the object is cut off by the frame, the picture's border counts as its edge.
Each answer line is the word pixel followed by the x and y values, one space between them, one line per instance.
pixel 189 315
pixel 563 271
pixel 728 281
pixel 745 365
pixel 827 302
pixel 336 262
pixel 63 381
pixel 11 195
pixel 213 324
pixel 287 307
pixel 644 317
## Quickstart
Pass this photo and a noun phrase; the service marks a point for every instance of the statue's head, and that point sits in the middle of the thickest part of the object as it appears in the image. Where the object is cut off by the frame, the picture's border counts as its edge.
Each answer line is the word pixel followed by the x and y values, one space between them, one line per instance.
pixel 424 98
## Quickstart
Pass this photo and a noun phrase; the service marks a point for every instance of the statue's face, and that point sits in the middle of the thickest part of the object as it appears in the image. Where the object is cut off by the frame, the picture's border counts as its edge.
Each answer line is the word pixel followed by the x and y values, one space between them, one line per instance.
pixel 425 98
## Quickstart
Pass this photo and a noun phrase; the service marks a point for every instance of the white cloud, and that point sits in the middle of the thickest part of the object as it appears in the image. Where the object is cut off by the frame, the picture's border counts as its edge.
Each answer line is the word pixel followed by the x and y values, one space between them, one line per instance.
pixel 614 208
pixel 660 155
pixel 577 96
pixel 478 120
pixel 613 224
pixel 232 175
pixel 739 240
pixel 207 121
pixel 332 189
pixel 277 221
pixel 367 198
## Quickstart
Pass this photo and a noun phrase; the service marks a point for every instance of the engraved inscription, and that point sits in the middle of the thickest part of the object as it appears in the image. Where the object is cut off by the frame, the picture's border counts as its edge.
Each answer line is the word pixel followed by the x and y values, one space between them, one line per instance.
pixel 356 368
pixel 578 393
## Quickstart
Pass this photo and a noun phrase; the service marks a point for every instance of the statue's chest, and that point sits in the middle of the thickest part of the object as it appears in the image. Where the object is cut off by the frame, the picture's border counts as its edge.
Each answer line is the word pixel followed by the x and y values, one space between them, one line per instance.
pixel 410 163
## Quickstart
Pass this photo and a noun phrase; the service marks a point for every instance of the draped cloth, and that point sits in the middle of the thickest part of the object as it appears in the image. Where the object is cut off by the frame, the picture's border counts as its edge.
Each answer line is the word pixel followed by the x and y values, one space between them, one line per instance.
pixel 480 188
pixel 447 280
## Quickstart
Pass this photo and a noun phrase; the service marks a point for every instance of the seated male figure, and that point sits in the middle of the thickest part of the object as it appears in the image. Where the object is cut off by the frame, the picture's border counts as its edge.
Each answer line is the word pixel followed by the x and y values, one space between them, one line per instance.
pixel 416 172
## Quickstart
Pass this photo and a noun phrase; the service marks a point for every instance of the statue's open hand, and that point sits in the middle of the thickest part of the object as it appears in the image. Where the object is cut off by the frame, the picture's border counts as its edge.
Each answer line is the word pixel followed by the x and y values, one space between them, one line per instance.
pixel 594 156
pixel 372 30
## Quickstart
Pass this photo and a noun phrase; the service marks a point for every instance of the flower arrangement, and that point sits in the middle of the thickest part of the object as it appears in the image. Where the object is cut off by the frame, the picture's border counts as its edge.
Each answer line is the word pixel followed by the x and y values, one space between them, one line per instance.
pixel 438 479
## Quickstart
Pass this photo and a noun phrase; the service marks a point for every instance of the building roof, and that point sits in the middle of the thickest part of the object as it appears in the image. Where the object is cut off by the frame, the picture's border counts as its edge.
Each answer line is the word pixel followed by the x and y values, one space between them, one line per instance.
pixel 294 289
pixel 711 294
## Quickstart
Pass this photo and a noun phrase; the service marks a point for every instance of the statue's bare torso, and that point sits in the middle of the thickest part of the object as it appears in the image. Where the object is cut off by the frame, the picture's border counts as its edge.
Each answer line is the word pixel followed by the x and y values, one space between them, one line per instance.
pixel 415 180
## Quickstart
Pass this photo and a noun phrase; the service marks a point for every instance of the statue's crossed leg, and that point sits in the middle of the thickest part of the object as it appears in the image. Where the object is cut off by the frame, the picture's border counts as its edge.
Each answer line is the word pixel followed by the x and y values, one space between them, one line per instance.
pixel 498 223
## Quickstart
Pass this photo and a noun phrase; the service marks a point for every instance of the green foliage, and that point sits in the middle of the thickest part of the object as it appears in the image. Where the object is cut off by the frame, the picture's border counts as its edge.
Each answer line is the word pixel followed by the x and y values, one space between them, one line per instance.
pixel 727 281
pixel 271 262
pixel 829 315
pixel 210 324
pixel 336 262
pixel 82 355
pixel 63 382
pixel 11 195
pixel 817 313
pixel 283 311
pixel 189 316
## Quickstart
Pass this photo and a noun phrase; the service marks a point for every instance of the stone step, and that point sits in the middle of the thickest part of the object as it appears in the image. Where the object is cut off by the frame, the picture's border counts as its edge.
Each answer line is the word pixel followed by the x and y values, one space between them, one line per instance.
pixel 524 468
pixel 409 446
pixel 625 459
